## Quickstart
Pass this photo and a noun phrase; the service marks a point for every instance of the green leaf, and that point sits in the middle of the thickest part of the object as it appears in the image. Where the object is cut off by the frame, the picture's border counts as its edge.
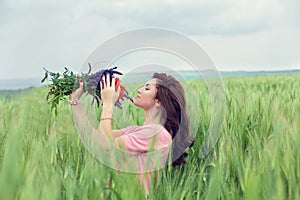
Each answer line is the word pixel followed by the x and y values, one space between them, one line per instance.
pixel 46 76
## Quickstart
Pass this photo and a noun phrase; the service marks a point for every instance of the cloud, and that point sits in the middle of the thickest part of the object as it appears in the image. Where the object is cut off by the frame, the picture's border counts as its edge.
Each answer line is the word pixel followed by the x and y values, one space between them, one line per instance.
pixel 54 34
pixel 196 17
pixel 272 49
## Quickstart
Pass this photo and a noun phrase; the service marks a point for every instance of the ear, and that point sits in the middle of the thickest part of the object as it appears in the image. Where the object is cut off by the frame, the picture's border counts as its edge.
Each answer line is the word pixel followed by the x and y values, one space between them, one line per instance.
pixel 157 103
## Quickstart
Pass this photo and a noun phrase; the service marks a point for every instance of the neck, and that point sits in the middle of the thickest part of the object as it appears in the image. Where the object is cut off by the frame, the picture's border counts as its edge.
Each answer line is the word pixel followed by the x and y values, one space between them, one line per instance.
pixel 152 116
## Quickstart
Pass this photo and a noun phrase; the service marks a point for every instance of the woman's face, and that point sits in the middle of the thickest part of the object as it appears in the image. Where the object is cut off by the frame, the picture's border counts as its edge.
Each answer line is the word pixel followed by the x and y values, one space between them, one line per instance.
pixel 146 95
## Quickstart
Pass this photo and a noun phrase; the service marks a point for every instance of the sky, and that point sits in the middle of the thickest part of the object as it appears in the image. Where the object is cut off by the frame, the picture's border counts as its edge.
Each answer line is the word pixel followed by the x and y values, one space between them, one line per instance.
pixel 237 35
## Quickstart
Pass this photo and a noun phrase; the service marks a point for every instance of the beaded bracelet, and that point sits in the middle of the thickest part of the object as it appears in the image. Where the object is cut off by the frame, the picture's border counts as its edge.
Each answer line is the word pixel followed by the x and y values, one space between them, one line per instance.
pixel 104 118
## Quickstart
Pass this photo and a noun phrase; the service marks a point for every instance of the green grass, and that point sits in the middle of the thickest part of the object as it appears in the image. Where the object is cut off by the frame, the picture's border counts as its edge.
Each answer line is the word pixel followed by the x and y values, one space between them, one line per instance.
pixel 257 156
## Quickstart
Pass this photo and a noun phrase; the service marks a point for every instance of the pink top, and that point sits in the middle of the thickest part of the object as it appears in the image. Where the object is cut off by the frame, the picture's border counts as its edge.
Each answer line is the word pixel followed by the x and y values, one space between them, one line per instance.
pixel 146 143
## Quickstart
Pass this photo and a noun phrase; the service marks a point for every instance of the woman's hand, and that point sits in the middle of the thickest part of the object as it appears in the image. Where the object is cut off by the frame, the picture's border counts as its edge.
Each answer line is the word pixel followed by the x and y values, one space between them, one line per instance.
pixel 77 93
pixel 109 95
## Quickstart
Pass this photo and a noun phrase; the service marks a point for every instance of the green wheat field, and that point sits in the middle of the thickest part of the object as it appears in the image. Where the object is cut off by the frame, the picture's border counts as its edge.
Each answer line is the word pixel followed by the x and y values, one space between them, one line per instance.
pixel 256 157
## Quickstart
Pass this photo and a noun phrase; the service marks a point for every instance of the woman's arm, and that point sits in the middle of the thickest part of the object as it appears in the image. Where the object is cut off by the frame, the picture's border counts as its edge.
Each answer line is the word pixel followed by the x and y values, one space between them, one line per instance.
pixel 88 133
pixel 117 133
pixel 103 133
pixel 109 97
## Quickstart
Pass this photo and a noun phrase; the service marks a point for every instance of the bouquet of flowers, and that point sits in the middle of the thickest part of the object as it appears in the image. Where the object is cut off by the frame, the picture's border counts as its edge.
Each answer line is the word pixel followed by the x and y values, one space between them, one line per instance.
pixel 62 85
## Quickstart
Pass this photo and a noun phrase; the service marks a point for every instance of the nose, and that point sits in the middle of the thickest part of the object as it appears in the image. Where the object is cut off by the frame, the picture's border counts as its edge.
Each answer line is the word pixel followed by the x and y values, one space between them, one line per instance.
pixel 139 91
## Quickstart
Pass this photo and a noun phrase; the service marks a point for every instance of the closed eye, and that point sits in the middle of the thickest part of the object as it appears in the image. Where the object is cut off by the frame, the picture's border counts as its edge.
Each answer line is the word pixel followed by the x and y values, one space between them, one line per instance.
pixel 147 86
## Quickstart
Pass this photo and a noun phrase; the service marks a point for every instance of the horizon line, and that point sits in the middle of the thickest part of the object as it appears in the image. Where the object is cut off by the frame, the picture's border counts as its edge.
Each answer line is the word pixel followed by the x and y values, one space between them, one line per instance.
pixel 220 71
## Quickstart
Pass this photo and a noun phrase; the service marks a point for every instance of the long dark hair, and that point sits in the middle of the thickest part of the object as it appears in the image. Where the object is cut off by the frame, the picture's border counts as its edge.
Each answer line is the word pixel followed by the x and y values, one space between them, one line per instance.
pixel 170 94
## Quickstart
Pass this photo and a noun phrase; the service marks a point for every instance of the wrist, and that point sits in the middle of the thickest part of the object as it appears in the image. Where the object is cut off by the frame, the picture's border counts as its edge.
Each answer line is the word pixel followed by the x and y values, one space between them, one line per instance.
pixel 107 111
pixel 74 102
pixel 106 118
pixel 108 106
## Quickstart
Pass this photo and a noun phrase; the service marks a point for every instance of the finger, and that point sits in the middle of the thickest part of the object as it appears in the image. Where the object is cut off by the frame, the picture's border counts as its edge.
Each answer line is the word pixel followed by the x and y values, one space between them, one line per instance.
pixel 105 80
pixel 108 80
pixel 81 85
pixel 101 84
pixel 113 81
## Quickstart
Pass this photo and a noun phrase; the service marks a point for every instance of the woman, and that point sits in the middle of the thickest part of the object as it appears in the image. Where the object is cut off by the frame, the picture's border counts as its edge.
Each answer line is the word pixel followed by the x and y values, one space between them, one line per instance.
pixel 165 122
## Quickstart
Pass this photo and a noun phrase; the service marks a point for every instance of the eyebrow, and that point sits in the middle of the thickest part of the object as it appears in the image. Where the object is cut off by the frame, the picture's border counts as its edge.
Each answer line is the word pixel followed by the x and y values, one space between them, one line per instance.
pixel 148 84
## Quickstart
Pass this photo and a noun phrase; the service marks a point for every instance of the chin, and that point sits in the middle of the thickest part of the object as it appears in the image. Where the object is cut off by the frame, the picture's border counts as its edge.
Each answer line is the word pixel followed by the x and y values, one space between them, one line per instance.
pixel 137 104
pixel 134 103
